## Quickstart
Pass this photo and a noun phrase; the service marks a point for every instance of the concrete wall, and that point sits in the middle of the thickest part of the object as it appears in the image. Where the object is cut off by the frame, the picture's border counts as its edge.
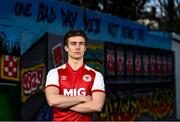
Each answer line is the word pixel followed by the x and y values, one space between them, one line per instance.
pixel 176 48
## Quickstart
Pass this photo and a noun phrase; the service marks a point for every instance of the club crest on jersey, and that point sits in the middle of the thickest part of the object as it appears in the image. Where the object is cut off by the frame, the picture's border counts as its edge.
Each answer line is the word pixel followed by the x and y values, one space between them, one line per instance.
pixel 87 78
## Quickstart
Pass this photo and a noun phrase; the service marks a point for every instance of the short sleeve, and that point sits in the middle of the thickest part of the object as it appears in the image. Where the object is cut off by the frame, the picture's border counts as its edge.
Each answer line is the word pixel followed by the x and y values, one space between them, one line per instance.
pixel 98 83
pixel 52 78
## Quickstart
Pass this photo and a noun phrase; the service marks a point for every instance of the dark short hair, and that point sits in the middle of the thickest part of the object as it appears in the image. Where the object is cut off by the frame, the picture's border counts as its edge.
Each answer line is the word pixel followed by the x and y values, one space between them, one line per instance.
pixel 73 33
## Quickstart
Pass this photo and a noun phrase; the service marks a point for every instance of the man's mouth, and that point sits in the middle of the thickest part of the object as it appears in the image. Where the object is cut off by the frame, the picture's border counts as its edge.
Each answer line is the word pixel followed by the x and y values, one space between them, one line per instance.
pixel 77 52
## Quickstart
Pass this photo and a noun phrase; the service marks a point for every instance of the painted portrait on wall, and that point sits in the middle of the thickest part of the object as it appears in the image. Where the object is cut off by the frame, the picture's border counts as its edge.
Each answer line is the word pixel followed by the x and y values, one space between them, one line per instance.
pixel 138 63
pixel 159 64
pixel 120 61
pixel 129 62
pixel 110 60
pixel 152 64
pixel 164 65
pixel 169 65
pixel 145 63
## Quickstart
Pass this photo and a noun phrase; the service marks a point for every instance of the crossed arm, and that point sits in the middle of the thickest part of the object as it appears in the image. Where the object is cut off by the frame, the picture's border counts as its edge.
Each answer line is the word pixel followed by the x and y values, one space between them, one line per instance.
pixel 82 104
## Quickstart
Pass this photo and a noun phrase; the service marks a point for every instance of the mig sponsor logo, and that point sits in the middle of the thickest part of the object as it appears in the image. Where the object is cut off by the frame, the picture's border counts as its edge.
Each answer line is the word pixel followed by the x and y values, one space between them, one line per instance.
pixel 74 92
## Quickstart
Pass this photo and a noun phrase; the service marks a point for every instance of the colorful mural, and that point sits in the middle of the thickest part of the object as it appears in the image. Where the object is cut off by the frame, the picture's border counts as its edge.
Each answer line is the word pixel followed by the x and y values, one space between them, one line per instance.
pixel 33 80
pixel 157 104
pixel 57 53
pixel 19 18
pixel 138 62
pixel 94 56
pixel 31 41
pixel 9 67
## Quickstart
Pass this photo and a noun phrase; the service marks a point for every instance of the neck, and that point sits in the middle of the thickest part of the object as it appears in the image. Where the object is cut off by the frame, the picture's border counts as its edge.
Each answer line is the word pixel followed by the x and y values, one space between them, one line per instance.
pixel 75 64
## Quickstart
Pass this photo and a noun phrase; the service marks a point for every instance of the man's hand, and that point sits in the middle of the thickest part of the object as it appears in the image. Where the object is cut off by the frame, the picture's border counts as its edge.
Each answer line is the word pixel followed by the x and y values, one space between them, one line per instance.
pixel 85 98
pixel 61 101
pixel 94 105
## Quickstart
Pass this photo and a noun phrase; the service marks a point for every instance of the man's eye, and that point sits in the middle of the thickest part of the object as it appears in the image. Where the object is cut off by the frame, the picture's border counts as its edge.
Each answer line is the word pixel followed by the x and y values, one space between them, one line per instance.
pixel 82 43
pixel 73 43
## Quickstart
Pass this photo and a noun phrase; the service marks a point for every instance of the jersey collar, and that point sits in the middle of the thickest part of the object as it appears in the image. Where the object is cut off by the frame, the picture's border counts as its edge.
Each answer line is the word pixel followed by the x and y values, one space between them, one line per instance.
pixel 70 68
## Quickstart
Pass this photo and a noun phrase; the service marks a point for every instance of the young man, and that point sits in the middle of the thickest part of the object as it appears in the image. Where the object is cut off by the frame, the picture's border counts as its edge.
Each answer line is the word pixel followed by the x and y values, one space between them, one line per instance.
pixel 75 90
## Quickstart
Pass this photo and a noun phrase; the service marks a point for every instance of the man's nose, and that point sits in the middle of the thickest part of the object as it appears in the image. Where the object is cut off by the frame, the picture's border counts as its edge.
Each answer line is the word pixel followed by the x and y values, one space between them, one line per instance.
pixel 77 45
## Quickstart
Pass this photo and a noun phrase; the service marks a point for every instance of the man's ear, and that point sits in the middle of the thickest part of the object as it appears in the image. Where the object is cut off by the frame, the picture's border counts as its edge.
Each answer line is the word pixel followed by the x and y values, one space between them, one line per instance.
pixel 66 48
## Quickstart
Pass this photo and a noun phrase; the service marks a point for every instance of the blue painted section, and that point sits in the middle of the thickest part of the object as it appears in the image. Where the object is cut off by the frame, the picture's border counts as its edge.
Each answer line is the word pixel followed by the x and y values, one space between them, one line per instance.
pixel 27 21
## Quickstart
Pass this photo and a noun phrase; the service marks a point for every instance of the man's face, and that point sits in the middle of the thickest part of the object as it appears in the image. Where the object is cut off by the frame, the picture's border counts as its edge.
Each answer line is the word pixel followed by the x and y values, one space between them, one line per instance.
pixel 76 47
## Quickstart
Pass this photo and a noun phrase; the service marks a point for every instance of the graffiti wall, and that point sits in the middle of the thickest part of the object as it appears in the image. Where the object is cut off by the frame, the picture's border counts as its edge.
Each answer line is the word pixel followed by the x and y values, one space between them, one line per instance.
pixel 94 56
pixel 139 82
pixel 129 104
pixel 138 63
pixel 56 53
pixel 44 55
pixel 139 74
pixel 26 21
pixel 9 87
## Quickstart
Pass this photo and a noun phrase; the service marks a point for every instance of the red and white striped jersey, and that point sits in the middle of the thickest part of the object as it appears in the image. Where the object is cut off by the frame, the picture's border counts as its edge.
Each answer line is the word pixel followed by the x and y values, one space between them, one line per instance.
pixel 83 81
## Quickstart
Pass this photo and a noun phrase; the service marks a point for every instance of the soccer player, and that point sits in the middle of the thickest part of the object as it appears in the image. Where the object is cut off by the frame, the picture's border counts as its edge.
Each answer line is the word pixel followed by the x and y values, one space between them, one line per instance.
pixel 74 90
